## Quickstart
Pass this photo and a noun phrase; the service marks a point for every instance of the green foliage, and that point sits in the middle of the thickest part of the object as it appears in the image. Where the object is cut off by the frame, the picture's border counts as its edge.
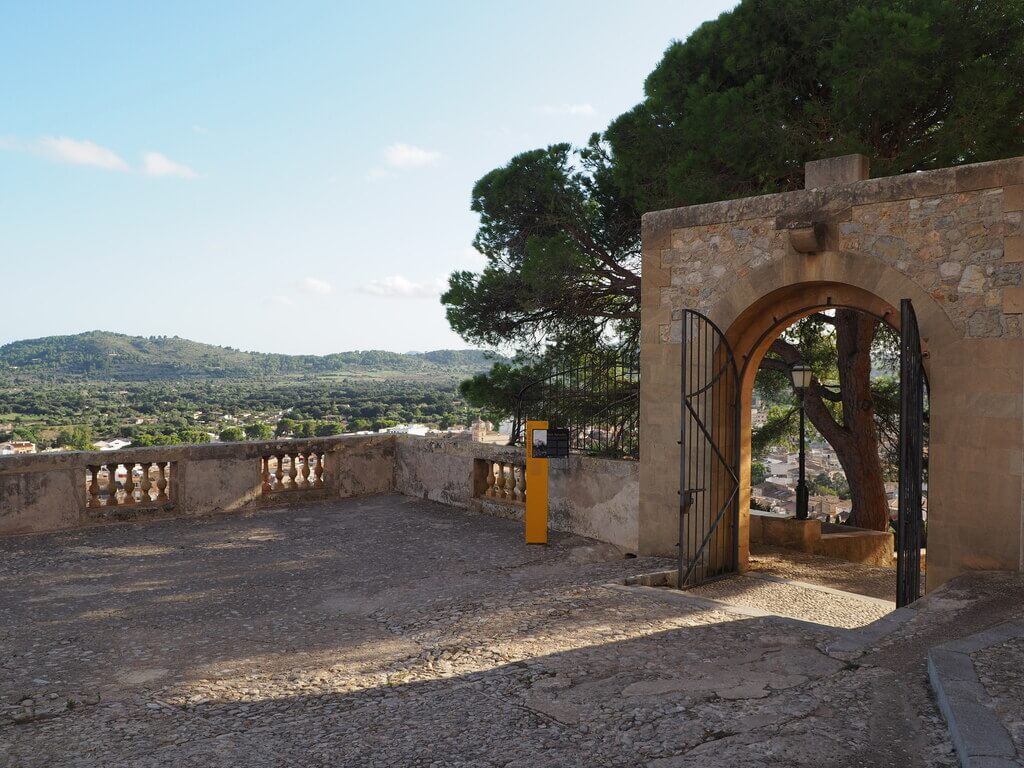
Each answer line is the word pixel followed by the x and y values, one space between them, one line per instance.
pixel 781 429
pixel 27 434
pixel 258 431
pixel 328 428
pixel 815 338
pixel 494 393
pixel 825 485
pixel 164 435
pixel 562 250
pixel 232 434
pixel 758 472
pixel 75 438
pixel 40 408
pixel 738 107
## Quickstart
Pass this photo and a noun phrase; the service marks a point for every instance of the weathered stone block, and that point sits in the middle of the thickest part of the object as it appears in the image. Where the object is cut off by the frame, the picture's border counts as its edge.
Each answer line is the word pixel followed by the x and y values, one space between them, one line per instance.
pixel 1013 199
pixel 835 170
pixel 1013 301
pixel 1013 249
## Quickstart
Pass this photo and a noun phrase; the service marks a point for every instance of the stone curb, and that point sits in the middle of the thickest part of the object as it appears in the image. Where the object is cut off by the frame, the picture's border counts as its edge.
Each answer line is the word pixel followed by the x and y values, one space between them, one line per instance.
pixel 980 738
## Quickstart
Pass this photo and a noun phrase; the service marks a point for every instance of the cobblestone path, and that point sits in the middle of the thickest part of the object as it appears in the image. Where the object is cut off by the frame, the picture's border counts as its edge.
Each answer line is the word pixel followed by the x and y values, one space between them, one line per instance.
pixel 387 631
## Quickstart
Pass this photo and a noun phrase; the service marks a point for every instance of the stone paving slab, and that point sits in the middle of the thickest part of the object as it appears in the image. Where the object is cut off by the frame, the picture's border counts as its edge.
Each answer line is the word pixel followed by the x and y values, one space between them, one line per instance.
pixel 982 709
pixel 386 631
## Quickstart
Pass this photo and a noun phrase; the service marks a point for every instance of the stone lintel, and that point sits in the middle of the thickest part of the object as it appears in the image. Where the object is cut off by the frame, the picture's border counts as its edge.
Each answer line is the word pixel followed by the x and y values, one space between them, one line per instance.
pixel 836 170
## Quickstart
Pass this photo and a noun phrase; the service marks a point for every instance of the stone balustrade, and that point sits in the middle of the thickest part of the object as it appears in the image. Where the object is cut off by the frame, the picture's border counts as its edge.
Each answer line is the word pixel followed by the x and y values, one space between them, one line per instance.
pixel 501 481
pixel 42 492
pixel 293 469
pixel 117 484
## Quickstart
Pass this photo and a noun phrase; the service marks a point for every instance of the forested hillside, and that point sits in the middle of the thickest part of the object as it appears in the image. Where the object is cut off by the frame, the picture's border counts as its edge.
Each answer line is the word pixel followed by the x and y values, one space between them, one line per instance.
pixel 117 357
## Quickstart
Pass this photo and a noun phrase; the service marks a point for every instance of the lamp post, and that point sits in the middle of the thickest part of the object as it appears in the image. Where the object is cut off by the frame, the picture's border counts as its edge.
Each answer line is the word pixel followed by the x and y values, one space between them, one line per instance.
pixel 802 375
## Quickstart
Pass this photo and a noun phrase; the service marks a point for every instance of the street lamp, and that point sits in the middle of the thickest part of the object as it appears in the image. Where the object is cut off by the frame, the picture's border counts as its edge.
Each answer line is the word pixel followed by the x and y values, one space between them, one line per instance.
pixel 802 375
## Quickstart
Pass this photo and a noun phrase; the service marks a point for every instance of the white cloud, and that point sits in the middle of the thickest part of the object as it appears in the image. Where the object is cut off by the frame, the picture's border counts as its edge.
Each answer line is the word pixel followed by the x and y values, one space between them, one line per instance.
pixel 584 110
pixel 408 156
pixel 156 164
pixel 313 285
pixel 397 286
pixel 80 152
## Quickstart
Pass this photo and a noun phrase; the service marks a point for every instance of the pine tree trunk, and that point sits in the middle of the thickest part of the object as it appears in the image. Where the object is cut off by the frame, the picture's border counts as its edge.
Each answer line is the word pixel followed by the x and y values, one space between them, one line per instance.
pixel 855 441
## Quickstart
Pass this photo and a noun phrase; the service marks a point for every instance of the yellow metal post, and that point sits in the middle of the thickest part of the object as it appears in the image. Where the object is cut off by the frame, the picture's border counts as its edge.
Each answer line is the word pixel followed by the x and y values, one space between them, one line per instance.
pixel 536 490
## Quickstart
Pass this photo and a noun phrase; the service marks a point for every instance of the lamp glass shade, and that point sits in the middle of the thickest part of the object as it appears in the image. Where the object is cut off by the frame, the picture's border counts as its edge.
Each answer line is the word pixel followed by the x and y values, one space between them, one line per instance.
pixel 802 375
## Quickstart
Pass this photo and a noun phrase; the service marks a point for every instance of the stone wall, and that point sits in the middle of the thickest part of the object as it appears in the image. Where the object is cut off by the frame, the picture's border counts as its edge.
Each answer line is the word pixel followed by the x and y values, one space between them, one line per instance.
pixel 957 233
pixel 41 492
pixel 951 240
pixel 587 496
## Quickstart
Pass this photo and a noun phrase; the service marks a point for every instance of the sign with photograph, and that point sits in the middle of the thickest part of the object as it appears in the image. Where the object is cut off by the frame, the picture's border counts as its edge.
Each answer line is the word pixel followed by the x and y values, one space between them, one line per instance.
pixel 550 444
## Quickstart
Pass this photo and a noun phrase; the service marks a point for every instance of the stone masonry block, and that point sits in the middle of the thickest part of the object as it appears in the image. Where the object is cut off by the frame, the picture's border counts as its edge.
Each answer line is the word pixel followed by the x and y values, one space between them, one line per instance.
pixel 835 170
pixel 1014 198
pixel 1013 249
pixel 1013 301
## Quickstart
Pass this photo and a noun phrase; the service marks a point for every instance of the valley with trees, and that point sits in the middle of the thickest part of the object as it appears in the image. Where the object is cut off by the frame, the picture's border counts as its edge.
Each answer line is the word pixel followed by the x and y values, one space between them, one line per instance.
pixel 70 391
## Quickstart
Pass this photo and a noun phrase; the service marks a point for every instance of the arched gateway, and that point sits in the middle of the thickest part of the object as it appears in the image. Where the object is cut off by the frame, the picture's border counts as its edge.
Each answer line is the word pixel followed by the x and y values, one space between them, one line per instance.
pixel 950 241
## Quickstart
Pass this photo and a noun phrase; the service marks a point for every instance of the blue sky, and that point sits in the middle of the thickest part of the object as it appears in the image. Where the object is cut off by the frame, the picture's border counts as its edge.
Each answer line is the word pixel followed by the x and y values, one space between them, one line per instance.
pixel 287 177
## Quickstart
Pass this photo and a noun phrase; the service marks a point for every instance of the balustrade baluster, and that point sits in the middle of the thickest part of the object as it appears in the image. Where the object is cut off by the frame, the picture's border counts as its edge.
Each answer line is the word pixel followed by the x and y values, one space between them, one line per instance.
pixel 129 484
pixel 267 487
pixel 500 481
pixel 161 481
pixel 293 471
pixel 320 458
pixel 517 484
pixel 145 483
pixel 279 473
pixel 94 486
pixel 490 480
pixel 112 485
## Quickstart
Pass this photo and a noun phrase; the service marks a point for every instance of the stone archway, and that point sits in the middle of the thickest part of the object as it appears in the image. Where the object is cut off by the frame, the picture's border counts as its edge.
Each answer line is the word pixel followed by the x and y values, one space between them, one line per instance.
pixel 751 335
pixel 949 240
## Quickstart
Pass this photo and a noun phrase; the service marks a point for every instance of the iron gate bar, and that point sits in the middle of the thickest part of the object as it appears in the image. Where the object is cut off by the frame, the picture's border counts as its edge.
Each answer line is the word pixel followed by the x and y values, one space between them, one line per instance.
pixel 710 450
pixel 908 524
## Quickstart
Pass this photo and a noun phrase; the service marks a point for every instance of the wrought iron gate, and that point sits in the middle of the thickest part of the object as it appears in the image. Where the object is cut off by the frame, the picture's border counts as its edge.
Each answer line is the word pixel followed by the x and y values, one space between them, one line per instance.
pixel 912 457
pixel 709 448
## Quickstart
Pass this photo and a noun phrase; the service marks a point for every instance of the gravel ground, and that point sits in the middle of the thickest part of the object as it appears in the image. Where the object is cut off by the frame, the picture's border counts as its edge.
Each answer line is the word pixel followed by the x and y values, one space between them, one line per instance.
pixel 796 601
pixel 387 631
pixel 870 580
pixel 1000 669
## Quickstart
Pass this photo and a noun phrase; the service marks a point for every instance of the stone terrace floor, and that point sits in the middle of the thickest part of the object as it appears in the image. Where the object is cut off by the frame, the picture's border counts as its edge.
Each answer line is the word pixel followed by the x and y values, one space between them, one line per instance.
pixel 388 631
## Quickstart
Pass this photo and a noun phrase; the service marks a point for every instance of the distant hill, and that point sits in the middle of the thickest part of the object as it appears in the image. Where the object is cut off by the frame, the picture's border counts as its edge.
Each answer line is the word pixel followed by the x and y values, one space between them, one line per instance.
pixel 103 355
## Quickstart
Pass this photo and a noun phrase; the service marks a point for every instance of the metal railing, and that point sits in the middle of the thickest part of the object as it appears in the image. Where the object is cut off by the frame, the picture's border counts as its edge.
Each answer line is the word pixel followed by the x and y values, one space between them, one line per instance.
pixel 597 399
